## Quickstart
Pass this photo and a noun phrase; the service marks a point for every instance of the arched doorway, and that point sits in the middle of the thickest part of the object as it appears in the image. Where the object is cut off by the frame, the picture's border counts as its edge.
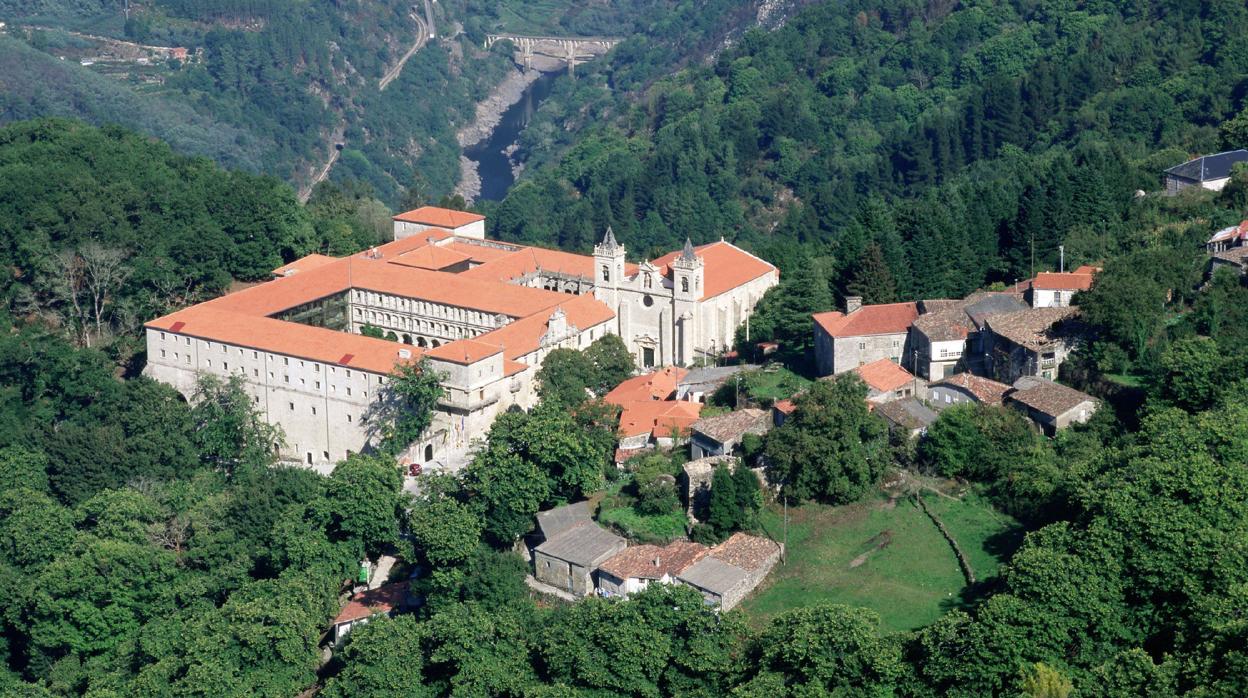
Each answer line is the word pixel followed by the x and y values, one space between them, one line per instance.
pixel 428 452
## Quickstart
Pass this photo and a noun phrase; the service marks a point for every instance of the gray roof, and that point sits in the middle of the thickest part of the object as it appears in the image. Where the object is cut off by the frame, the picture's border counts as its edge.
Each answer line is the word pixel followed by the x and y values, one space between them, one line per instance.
pixel 733 425
pixel 555 521
pixel 992 305
pixel 1205 168
pixel 586 545
pixel 713 575
pixel 1047 397
pixel 907 414
pixel 713 375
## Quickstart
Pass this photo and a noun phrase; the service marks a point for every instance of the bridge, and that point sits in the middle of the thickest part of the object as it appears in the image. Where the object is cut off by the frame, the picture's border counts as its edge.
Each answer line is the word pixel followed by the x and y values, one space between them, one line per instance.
pixel 570 49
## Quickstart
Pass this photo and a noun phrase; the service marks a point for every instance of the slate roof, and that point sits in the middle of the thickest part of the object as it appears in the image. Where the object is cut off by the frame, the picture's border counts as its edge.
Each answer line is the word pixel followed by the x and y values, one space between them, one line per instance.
pixel 984 390
pixel 1031 328
pixel 907 413
pixel 584 545
pixel 552 522
pixel 726 427
pixel 652 561
pixel 715 576
pixel 888 318
pixel 994 304
pixel 1047 397
pixel 1207 167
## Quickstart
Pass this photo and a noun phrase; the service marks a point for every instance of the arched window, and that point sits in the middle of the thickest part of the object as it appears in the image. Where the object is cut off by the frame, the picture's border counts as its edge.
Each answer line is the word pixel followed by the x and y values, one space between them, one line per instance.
pixel 684 284
pixel 648 281
pixel 606 272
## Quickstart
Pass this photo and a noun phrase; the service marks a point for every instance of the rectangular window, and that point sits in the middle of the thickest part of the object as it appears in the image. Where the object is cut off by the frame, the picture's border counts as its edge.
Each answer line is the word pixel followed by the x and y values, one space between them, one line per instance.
pixel 188 341
pixel 255 372
pixel 225 365
pixel 348 391
pixel 292 406
pixel 188 358
pixel 255 354
pixel 348 419
pixel 208 362
pixel 318 385
pixel 314 409
pixel 162 353
pixel 285 379
pixel 862 345
pixel 162 336
pixel 316 368
pixel 286 360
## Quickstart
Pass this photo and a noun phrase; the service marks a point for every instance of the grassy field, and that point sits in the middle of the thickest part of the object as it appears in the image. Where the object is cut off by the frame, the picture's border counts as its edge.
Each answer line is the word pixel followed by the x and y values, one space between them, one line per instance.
pixel 888 557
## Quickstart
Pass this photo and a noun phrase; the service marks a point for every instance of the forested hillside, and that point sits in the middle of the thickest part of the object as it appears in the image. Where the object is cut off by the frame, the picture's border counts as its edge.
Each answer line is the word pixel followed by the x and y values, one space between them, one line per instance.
pixel 953 138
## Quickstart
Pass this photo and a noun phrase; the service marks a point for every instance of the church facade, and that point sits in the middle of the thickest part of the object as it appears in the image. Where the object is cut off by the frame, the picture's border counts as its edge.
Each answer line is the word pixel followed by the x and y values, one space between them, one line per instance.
pixel 315 346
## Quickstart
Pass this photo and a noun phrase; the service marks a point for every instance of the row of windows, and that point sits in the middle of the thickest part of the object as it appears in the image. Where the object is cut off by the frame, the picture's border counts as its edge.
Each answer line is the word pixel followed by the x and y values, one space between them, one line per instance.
pixel 423 308
pixel 316 367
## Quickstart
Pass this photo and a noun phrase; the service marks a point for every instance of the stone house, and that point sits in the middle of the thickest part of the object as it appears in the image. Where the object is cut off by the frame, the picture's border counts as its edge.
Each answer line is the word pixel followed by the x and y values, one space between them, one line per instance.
pixel 886 381
pixel 948 336
pixel 1031 342
pixel 649 413
pixel 573 549
pixel 1208 171
pixel 720 435
pixel 732 569
pixel 908 416
pixel 697 477
pixel 1052 406
pixel 636 567
pixel 862 334
pixel 965 387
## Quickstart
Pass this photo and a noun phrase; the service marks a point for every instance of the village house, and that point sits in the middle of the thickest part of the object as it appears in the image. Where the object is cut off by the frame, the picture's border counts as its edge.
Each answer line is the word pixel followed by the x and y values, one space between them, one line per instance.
pixel 1208 171
pixel 948 336
pixel 1055 290
pixel 696 480
pixel 649 413
pixel 366 605
pixel 862 334
pixel 484 313
pixel 966 387
pixel 1228 248
pixel 886 381
pixel 1031 342
pixel 720 435
pixel 702 382
pixel 634 568
pixel 1052 406
pixel 781 410
pixel 909 416
pixel 574 546
pixel 732 569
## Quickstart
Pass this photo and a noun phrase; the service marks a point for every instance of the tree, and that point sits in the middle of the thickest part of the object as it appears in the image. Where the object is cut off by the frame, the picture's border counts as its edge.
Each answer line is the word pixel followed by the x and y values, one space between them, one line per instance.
pixel 1043 681
pixel 612 362
pixel 749 494
pixel 444 530
pixel 404 407
pixel 21 467
pixel 871 279
pixel 827 649
pixel 1193 373
pixel 384 658
pixel 831 448
pixel 228 430
pixel 565 378
pixel 364 503
pixel 723 509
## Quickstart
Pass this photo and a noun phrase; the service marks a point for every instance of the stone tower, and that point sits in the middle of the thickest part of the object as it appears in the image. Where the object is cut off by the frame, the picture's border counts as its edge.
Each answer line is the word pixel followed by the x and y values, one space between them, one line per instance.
pixel 688 272
pixel 608 270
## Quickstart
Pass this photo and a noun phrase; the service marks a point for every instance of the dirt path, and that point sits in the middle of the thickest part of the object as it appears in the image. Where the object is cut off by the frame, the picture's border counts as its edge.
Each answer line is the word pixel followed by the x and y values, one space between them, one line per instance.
pixel 334 139
pixel 422 37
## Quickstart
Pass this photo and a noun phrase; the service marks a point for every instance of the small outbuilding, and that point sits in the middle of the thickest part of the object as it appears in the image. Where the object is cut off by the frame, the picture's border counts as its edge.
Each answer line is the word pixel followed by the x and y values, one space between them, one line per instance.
pixel 574 548
pixel 1052 406
pixel 366 605
pixel 634 568
pixel 908 416
pixel 720 435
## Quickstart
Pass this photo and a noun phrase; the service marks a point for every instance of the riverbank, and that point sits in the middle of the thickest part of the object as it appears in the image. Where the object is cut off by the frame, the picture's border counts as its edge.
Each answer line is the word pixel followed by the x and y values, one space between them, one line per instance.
pixel 490 111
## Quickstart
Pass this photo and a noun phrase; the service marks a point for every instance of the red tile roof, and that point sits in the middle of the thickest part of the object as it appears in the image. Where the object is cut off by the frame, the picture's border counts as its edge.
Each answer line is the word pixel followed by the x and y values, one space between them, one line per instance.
pixel 726 267
pixel 889 318
pixel 658 417
pixel 430 257
pixel 652 386
pixel 746 551
pixel 784 406
pixel 653 562
pixel 464 351
pixel 526 260
pixel 884 375
pixel 524 335
pixel 1052 281
pixel 443 217
pixel 312 261
pixel 365 604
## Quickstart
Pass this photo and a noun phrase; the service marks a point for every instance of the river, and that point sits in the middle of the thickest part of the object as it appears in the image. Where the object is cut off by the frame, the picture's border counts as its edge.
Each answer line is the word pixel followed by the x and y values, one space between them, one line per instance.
pixel 493 164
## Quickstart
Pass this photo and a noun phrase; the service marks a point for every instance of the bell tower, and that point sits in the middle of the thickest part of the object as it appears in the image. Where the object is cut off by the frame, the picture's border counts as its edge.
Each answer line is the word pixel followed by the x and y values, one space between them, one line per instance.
pixel 688 274
pixel 608 270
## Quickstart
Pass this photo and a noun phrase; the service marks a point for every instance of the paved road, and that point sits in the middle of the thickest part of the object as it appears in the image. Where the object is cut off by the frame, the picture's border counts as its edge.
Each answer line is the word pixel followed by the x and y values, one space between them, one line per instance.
pixel 425 30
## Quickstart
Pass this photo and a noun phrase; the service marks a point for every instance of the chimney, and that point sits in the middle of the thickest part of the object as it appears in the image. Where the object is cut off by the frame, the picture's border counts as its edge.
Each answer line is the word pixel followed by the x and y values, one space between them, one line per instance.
pixel 852 303
pixel 656 561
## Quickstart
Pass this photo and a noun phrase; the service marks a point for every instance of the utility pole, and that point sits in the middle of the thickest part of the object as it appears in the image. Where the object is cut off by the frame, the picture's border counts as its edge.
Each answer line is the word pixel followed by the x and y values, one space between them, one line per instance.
pixel 1033 256
pixel 1061 250
pixel 784 554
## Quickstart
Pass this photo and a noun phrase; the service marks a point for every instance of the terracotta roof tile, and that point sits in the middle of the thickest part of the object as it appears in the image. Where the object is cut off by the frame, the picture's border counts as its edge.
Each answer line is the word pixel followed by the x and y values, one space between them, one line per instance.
pixel 383 599
pixel 889 318
pixel 658 385
pixel 430 257
pixel 745 551
pixel 464 351
pixel 1047 397
pixel 652 561
pixel 1032 328
pixel 443 217
pixel 726 267
pixel 312 261
pixel 659 418
pixel 726 427
pixel 527 260
pixel 1053 281
pixel 984 390
pixel 884 376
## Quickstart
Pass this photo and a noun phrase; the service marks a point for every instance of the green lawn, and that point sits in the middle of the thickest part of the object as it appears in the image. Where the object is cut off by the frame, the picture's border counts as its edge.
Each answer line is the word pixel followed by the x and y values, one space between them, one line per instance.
pixel 910 581
pixel 772 384
pixel 616 510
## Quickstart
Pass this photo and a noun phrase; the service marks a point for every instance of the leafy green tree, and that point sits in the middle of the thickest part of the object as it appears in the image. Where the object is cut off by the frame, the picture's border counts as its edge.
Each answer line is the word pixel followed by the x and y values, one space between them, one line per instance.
pixel 229 432
pixel 749 494
pixel 508 488
pixel 363 499
pixel 384 658
pixel 723 509
pixel 1043 681
pixel 34 528
pixel 871 279
pixel 831 448
pixel 444 530
pixel 21 467
pixel 1194 373
pixel 612 361
pixel 404 407
pixel 565 377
